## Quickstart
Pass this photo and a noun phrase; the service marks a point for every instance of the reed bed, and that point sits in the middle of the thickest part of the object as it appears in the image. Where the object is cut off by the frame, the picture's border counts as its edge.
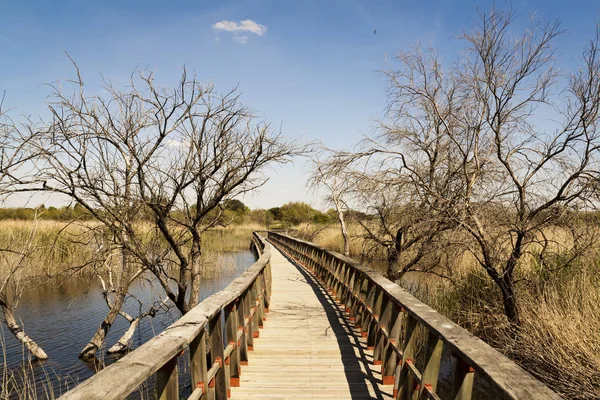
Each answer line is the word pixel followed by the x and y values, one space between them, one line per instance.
pixel 66 248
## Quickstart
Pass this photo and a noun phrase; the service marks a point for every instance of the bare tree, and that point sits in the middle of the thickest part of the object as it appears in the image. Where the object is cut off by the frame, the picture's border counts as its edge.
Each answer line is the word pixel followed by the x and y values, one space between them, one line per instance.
pixel 521 175
pixel 338 191
pixel 407 174
pixel 409 233
pixel 166 156
pixel 492 167
pixel 470 150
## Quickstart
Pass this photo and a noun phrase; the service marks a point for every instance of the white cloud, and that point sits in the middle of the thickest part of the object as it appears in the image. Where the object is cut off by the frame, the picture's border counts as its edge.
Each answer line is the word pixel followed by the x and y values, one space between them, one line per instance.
pixel 240 39
pixel 177 143
pixel 246 25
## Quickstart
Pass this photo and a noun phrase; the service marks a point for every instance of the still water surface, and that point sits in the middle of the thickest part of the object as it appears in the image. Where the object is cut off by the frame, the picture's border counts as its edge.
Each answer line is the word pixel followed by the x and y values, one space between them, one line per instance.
pixel 62 319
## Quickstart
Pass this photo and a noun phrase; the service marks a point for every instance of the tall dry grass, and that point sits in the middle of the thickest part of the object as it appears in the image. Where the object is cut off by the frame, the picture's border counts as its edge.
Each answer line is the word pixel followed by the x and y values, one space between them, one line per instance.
pixel 559 338
pixel 57 245
pixel 330 237
pixel 63 248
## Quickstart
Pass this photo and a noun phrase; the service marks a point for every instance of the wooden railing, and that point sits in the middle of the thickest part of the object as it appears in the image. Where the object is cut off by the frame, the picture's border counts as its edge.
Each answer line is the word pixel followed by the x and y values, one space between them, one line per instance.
pixel 390 319
pixel 226 322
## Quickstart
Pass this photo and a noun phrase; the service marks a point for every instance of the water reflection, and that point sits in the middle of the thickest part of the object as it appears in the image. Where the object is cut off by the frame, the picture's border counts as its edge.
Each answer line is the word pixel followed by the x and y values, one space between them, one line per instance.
pixel 62 319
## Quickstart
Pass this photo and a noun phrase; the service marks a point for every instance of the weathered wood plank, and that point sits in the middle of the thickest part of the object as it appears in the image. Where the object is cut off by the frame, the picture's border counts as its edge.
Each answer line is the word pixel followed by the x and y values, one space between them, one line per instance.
pixel 198 363
pixel 167 382
pixel 215 331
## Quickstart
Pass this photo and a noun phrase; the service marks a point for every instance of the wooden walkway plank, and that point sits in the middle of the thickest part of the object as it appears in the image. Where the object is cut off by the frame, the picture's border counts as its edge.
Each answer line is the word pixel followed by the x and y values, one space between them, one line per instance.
pixel 307 349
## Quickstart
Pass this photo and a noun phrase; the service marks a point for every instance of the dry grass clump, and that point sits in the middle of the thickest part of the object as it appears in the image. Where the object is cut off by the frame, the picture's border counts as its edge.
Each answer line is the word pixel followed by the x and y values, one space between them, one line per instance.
pixel 330 237
pixel 219 245
pixel 559 339
pixel 230 238
pixel 20 382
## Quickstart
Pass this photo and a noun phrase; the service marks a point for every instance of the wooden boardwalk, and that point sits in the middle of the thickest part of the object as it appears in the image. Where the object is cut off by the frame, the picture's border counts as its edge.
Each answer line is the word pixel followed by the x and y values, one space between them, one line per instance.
pixel 307 348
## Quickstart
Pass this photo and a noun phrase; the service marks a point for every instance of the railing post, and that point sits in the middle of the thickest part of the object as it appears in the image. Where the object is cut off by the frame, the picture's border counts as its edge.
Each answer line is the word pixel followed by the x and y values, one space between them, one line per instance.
pixel 390 359
pixel 359 309
pixel 215 329
pixel 247 314
pixel 433 357
pixel 338 288
pixel 374 323
pixel 167 380
pixel 382 311
pixel 260 280
pixel 344 278
pixel 255 302
pixel 464 375
pixel 350 293
pixel 405 378
pixel 243 342
pixel 231 330
pixel 198 362
pixel 268 281
pixel 366 313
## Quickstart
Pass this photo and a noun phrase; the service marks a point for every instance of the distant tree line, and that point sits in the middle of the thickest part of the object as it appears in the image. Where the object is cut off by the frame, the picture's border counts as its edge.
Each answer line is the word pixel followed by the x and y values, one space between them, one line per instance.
pixel 231 211
pixel 65 213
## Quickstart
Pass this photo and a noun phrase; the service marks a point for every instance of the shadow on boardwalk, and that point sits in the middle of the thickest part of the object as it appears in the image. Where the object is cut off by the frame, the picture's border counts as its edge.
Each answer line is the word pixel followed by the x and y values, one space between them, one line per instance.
pixel 363 377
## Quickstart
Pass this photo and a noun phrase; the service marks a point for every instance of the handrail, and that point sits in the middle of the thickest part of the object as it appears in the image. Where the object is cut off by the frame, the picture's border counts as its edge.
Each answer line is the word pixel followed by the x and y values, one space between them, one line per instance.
pixel 244 304
pixel 388 317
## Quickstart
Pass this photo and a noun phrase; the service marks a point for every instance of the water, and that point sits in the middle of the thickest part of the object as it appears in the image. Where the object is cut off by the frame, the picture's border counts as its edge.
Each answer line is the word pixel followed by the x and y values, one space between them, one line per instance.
pixel 62 319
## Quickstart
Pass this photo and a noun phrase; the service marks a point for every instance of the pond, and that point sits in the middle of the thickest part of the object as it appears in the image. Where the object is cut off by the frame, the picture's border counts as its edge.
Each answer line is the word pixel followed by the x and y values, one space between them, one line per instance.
pixel 62 319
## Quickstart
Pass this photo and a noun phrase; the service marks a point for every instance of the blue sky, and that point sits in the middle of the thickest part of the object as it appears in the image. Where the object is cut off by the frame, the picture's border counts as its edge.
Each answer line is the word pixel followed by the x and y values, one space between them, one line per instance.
pixel 311 69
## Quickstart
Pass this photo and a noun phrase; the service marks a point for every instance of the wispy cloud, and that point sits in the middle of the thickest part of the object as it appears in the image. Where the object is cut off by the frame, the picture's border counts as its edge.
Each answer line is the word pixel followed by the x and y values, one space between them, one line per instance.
pixel 238 28
pixel 241 39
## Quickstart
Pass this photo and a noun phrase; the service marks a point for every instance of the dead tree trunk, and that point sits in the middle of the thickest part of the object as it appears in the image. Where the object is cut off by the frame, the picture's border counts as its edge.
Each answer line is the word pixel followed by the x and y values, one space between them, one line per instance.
pixel 21 336
pixel 393 256
pixel 509 300
pixel 97 340
pixel 125 340
pixel 196 270
pixel 344 230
